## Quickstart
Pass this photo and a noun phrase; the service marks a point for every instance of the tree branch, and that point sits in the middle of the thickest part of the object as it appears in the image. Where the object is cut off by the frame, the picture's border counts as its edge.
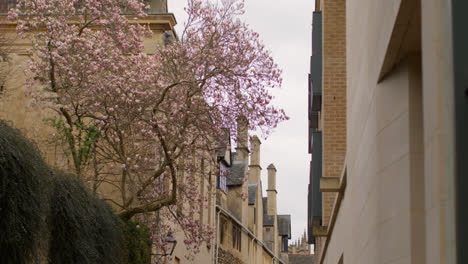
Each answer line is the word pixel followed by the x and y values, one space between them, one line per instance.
pixel 154 206
pixel 86 25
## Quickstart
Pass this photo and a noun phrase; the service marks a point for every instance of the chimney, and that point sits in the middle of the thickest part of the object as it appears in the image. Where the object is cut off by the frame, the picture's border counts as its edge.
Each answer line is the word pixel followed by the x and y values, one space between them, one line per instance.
pixel 271 191
pixel 242 150
pixel 157 6
pixel 254 167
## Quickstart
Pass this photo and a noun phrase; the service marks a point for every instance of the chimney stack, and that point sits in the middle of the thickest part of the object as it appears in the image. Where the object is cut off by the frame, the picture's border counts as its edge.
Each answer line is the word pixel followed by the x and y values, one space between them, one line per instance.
pixel 242 150
pixel 157 6
pixel 255 168
pixel 271 191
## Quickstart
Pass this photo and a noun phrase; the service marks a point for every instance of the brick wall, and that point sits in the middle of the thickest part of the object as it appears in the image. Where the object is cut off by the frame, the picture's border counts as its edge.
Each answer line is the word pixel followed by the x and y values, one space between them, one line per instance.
pixel 334 94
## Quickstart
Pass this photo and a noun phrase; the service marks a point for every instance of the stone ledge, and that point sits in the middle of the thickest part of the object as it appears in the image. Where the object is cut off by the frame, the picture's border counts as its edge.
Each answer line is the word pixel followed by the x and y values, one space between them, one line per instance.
pixel 329 184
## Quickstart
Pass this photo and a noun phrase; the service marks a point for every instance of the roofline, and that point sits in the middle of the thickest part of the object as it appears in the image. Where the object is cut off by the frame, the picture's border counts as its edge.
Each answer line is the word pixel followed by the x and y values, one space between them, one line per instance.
pixel 228 214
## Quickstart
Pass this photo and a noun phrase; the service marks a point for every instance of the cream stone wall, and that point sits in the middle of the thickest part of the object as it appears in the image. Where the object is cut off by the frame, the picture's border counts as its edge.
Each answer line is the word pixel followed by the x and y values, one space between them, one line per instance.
pixel 375 218
pixel 259 230
pixel 23 112
pixel 207 186
pixel 19 108
pixel 439 139
pixel 205 255
pixel 253 249
pixel 397 205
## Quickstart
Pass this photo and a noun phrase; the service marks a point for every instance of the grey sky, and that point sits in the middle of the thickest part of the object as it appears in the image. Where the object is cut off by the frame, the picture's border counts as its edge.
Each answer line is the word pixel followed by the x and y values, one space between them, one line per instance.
pixel 285 28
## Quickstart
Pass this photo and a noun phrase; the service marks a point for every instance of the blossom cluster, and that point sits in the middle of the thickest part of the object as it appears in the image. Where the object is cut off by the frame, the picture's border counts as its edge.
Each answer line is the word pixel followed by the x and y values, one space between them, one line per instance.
pixel 153 112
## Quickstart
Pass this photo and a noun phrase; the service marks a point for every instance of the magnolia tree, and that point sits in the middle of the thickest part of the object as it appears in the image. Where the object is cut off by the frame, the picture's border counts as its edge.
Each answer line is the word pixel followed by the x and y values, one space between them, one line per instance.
pixel 147 124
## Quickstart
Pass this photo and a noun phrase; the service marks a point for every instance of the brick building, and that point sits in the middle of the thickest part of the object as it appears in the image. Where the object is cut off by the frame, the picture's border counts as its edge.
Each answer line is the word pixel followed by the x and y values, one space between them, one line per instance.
pixel 387 122
pixel 327 109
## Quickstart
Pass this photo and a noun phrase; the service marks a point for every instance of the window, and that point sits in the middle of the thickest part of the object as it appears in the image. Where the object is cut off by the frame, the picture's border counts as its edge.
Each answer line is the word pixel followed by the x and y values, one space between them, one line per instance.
pixel 284 244
pixel 236 236
pixel 5 5
pixel 221 178
pixel 222 226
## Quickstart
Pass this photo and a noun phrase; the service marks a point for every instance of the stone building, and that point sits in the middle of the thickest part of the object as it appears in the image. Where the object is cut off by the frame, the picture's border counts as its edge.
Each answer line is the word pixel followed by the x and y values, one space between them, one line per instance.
pixel 299 251
pixel 249 230
pixel 300 246
pixel 247 227
pixel 20 109
pixel 388 131
pixel 301 258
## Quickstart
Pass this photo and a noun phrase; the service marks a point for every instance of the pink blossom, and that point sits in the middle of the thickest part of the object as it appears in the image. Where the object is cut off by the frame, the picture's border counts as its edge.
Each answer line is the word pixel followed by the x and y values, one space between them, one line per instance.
pixel 151 110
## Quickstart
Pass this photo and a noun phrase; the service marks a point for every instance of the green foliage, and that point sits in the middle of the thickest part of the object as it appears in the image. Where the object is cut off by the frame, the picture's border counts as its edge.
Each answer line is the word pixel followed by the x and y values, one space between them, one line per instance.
pixel 136 243
pixel 80 138
pixel 83 228
pixel 23 178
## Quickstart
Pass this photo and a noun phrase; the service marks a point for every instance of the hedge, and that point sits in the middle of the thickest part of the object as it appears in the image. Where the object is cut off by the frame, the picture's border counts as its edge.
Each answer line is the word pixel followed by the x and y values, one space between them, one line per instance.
pixel 37 200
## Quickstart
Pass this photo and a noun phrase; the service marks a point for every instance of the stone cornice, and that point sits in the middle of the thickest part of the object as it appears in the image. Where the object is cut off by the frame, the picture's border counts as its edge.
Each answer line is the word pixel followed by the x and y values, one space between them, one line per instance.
pixel 159 21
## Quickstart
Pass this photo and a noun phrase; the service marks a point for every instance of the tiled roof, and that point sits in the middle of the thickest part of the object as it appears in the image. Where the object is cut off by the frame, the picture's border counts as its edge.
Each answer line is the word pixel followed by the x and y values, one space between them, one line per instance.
pixel 236 175
pixel 268 220
pixel 252 192
pixel 284 225
pixel 301 258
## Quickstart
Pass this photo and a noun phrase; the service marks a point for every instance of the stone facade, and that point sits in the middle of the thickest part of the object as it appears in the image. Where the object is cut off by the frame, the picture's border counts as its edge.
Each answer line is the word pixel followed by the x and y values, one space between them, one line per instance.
pixel 393 200
pixel 27 115
pixel 22 112
pixel 300 246
pixel 247 223
pixel 227 258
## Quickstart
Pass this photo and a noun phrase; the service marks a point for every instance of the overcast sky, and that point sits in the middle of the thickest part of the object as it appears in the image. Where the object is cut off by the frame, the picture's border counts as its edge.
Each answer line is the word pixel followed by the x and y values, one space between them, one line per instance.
pixel 285 28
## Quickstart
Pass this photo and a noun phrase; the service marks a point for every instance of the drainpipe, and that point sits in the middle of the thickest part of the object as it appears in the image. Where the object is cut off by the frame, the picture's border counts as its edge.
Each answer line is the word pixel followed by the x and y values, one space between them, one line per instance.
pixel 246 230
pixel 217 236
pixel 253 256
pixel 213 213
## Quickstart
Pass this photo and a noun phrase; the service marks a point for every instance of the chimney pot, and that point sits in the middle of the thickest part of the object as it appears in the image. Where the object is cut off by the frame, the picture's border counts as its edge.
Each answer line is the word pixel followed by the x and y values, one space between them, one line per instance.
pixel 271 191
pixel 242 136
